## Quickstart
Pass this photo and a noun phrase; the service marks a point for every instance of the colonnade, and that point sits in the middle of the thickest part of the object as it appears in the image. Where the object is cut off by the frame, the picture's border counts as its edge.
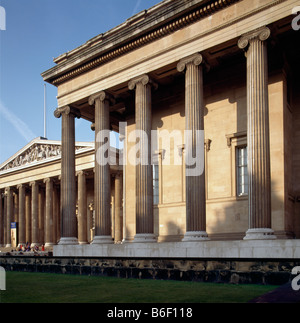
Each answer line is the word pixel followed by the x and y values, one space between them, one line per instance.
pixel 254 45
pixel 35 208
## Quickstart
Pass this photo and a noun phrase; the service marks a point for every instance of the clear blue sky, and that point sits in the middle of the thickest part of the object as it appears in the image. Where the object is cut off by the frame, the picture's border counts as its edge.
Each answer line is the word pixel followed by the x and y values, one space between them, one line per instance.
pixel 36 32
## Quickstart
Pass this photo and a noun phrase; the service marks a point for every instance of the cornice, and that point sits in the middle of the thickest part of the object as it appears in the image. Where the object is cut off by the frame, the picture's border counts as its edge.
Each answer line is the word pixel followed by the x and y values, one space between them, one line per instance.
pixel 152 28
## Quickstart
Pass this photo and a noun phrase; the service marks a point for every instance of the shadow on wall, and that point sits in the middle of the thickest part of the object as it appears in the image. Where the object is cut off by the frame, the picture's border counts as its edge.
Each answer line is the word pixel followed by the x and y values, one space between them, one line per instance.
pixel 226 223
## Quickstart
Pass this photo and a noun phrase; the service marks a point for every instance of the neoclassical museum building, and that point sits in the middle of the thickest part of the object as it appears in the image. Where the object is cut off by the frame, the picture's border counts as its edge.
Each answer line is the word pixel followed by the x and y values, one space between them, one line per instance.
pixel 205 97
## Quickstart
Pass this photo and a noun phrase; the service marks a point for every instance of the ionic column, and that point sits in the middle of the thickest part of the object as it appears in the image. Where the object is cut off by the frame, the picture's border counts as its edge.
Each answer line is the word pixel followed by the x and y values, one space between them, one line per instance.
pixel 41 216
pixel 4 217
pixel 118 208
pixel 1 220
pixel 49 213
pixel 16 206
pixel 34 213
pixel 82 208
pixel 144 176
pixel 102 191
pixel 28 216
pixel 259 193
pixel 55 215
pixel 194 148
pixel 22 225
pixel 9 215
pixel 68 180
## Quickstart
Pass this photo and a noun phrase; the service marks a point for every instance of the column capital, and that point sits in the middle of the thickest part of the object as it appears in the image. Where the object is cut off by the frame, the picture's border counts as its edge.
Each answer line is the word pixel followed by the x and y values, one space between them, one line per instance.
pixel 143 79
pixel 47 180
pixel 261 34
pixel 67 110
pixel 7 190
pixel 195 59
pixel 81 172
pixel 102 96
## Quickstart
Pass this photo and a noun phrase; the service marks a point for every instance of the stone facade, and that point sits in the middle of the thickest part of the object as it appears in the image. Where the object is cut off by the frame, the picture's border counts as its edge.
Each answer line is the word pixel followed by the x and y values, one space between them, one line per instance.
pixel 214 69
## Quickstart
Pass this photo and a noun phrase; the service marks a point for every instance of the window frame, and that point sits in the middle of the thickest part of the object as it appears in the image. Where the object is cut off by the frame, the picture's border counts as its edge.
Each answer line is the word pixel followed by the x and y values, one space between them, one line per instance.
pixel 244 176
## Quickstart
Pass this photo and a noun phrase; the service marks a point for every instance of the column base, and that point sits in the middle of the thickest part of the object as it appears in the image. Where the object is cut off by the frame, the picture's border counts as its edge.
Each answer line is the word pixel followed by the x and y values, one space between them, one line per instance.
pixel 195 236
pixel 49 244
pixel 8 245
pixel 145 237
pixel 33 244
pixel 260 234
pixel 83 242
pixel 102 240
pixel 65 241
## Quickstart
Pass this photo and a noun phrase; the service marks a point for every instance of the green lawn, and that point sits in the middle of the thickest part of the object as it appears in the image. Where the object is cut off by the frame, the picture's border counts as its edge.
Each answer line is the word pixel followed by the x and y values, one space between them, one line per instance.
pixel 57 288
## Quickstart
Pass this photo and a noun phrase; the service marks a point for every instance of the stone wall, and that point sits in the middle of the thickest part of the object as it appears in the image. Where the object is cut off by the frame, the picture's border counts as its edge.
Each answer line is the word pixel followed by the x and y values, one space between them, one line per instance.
pixel 245 271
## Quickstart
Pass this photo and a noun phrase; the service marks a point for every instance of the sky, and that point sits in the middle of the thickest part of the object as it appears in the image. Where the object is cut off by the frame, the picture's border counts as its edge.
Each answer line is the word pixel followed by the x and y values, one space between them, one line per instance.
pixel 33 32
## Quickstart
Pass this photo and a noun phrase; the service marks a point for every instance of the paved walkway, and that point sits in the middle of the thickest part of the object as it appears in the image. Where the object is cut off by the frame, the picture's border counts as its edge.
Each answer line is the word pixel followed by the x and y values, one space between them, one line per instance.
pixel 282 294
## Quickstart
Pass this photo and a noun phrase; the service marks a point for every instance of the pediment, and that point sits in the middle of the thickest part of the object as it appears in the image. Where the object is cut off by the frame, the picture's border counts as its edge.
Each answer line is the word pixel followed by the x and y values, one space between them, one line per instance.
pixel 36 151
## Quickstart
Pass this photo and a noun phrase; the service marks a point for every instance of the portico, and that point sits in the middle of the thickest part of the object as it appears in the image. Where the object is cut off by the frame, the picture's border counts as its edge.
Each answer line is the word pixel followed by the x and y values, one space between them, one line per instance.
pixel 31 194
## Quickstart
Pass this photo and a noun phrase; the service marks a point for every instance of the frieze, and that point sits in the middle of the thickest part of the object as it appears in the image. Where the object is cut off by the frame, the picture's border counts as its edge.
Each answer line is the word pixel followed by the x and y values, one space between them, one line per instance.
pixel 36 152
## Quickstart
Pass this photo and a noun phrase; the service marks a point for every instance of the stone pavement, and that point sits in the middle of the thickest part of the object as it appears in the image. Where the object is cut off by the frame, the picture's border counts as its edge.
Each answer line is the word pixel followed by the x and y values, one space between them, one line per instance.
pixel 282 294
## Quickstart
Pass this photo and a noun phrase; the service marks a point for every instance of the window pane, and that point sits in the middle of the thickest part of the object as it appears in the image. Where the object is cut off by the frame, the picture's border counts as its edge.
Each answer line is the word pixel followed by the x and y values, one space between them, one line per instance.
pixel 242 171
pixel 155 184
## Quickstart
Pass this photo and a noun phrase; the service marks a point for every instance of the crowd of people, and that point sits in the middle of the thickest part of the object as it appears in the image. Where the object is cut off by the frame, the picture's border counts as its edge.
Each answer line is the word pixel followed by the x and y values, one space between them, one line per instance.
pixel 28 248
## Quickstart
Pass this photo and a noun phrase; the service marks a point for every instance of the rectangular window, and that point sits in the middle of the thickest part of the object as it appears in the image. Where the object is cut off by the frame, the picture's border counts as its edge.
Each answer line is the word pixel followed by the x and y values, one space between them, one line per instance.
pixel 242 171
pixel 155 184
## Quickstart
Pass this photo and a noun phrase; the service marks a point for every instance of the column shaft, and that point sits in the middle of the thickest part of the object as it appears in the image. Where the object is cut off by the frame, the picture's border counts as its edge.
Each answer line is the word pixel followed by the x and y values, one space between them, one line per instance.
pixel 16 207
pixel 68 180
pixel 143 171
pixel 4 217
pixel 194 146
pixel 9 215
pixel 22 227
pixel 49 213
pixel 82 209
pixel 34 213
pixel 28 216
pixel 102 191
pixel 55 215
pixel 118 209
pixel 41 216
pixel 259 193
pixel 1 220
